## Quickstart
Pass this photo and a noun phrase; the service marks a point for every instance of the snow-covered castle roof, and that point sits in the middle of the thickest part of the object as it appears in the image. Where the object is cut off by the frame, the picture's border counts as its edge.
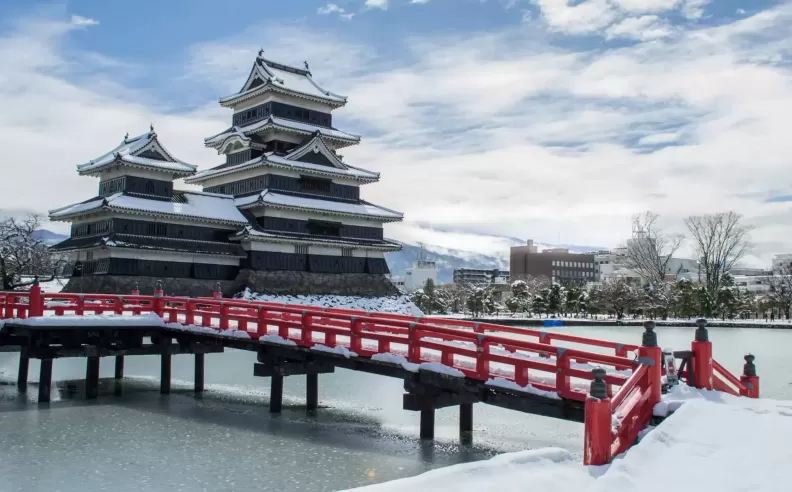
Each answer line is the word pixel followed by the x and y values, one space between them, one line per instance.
pixel 267 75
pixel 144 151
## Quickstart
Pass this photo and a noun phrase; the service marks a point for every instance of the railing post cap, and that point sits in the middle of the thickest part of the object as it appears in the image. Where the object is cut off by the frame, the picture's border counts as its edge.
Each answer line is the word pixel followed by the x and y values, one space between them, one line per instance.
pixel 158 285
pixel 649 338
pixel 701 331
pixel 749 358
pixel 598 388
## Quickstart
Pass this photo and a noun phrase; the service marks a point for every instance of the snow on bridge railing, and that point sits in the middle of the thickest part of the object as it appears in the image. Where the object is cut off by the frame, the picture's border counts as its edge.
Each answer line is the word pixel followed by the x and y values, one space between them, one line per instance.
pixel 498 355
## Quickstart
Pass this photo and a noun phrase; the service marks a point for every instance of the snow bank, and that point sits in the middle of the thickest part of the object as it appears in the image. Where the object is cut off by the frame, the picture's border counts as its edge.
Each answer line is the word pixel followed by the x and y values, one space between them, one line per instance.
pixel 394 304
pixel 714 442
pixel 549 469
pixel 71 320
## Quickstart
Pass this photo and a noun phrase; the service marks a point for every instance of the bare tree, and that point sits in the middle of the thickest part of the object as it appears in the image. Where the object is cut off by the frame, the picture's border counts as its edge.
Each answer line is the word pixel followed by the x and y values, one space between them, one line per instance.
pixel 23 254
pixel 720 241
pixel 650 249
pixel 781 289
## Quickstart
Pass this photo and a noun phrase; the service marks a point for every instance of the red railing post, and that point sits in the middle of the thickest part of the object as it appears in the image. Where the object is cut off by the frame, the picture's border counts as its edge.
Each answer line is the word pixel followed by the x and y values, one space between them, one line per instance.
pixel 157 304
pixel 223 315
pixel 598 437
pixel 749 379
pixel 482 357
pixel 562 373
pixel 702 357
pixel 651 355
pixel 355 338
pixel 35 301
pixel 306 334
pixel 136 290
pixel 413 345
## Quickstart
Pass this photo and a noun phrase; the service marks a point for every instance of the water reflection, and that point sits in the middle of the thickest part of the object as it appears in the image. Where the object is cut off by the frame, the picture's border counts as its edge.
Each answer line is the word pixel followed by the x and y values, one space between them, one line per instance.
pixel 133 438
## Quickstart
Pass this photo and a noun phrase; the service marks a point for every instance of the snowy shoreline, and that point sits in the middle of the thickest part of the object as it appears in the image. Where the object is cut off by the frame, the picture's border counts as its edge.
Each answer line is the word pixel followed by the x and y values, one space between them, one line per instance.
pixel 711 323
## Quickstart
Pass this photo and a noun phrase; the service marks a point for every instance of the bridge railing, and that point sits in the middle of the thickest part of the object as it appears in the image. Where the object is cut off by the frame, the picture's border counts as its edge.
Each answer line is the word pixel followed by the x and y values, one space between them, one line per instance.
pixel 619 392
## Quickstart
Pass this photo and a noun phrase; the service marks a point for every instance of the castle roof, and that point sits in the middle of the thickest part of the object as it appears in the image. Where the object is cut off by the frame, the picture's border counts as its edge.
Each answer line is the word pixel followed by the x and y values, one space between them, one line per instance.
pixel 290 161
pixel 255 233
pixel 243 133
pixel 321 206
pixel 130 241
pixel 210 207
pixel 267 75
pixel 144 151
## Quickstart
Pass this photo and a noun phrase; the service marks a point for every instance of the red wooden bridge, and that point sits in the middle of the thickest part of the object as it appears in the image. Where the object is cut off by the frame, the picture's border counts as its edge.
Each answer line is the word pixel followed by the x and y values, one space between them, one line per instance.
pixel 612 387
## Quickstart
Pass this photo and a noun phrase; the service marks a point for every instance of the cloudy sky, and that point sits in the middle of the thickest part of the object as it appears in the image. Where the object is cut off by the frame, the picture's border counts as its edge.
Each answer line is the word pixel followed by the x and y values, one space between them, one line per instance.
pixel 547 119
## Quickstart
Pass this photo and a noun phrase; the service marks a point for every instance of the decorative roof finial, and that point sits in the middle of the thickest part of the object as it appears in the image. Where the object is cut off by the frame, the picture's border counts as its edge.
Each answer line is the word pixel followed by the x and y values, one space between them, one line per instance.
pixel 126 136
pixel 306 66
pixel 151 127
pixel 261 51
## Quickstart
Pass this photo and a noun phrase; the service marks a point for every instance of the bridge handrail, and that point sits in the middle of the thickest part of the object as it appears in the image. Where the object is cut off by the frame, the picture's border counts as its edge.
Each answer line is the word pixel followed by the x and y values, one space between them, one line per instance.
pixel 469 347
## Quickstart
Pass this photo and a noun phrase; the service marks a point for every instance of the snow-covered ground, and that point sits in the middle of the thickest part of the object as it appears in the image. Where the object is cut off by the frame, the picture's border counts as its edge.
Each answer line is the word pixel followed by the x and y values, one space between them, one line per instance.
pixel 712 442
pixel 394 304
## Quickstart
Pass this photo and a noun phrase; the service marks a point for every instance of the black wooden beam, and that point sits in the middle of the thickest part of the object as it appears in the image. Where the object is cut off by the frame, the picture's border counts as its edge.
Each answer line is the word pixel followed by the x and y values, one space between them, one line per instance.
pixel 199 373
pixel 312 391
pixel 45 381
pixel 290 368
pixel 276 394
pixel 119 367
pixel 22 376
pixel 91 378
pixel 165 374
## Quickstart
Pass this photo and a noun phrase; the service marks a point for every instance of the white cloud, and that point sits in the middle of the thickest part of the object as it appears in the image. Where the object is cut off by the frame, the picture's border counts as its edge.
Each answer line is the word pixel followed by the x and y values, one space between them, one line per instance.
pixel 377 4
pixel 500 133
pixel 659 138
pixel 643 28
pixel 419 1
pixel 694 9
pixel 584 17
pixel 78 20
pixel 332 8
pixel 641 6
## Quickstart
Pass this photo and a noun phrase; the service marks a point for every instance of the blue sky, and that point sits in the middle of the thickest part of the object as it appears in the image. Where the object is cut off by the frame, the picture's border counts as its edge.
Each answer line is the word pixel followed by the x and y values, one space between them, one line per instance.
pixel 549 119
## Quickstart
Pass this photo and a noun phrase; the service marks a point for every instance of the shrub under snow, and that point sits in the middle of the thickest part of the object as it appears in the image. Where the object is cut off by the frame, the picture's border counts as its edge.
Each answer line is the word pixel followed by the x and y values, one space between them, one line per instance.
pixel 393 304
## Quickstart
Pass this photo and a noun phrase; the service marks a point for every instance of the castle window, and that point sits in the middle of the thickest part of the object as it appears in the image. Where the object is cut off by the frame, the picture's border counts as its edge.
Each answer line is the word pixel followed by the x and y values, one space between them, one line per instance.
pixel 346 252
pixel 315 184
pixel 301 249
pixel 150 187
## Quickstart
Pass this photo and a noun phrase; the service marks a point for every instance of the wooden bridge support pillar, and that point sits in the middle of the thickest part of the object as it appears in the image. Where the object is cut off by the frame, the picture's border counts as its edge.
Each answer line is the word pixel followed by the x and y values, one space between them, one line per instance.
pixel 276 394
pixel 165 374
pixel 427 423
pixel 312 391
pixel 119 367
pixel 91 378
pixel 466 423
pixel 199 373
pixel 22 377
pixel 45 381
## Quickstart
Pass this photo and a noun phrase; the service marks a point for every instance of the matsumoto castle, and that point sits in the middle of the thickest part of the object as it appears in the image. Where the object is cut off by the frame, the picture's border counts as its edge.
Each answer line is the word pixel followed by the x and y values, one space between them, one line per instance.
pixel 283 213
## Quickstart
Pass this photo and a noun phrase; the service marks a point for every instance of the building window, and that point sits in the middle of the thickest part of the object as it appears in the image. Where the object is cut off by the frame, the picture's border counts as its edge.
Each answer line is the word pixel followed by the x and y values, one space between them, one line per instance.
pixel 346 252
pixel 301 249
pixel 89 255
pixel 315 184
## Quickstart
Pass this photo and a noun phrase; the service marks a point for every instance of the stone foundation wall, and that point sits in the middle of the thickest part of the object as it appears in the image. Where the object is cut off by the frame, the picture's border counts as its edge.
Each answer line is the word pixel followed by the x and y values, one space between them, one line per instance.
pixel 277 283
pixel 117 284
pixel 309 283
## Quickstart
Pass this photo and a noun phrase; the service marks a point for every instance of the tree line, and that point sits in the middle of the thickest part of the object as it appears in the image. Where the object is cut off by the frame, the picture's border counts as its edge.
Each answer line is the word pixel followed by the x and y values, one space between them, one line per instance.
pixel 653 290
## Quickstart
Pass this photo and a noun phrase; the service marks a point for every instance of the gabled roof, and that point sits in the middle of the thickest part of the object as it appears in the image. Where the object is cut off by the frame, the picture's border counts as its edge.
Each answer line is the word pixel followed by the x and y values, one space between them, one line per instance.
pixel 160 244
pixel 359 208
pixel 342 139
pixel 190 205
pixel 267 75
pixel 144 151
pixel 255 233
pixel 272 160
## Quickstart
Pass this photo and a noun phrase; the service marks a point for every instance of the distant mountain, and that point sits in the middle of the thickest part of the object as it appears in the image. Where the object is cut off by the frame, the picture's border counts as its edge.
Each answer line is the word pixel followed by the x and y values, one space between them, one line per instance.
pixel 49 237
pixel 447 259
